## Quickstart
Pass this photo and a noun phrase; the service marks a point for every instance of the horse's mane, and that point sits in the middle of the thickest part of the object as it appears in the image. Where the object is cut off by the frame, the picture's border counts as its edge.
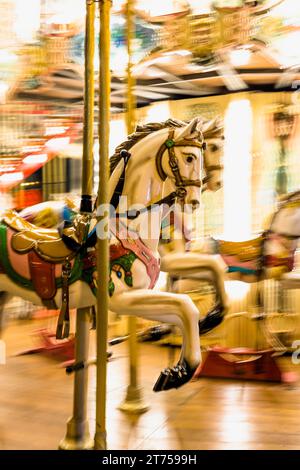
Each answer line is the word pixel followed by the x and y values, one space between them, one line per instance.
pixel 140 133
pixel 289 197
pixel 284 202
pixel 213 129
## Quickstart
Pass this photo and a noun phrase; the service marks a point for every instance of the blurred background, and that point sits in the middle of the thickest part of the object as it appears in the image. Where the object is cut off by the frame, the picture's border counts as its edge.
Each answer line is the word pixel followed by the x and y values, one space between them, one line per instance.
pixel 236 59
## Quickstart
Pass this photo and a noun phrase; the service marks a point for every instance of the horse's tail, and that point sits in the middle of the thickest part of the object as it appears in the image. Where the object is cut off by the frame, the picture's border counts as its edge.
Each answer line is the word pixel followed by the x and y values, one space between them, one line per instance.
pixel 213 318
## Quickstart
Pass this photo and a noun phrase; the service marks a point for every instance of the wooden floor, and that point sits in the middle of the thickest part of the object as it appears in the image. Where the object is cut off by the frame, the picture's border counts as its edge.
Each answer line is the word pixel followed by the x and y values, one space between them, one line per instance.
pixel 36 401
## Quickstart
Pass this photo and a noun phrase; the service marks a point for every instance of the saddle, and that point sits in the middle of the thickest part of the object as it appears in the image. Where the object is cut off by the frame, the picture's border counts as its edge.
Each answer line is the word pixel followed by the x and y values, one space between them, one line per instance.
pixel 45 248
pixel 49 244
pixel 247 250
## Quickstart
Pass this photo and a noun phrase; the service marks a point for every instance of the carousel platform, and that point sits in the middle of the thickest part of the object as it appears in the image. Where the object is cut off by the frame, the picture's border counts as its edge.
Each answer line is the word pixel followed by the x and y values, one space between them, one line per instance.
pixel 205 414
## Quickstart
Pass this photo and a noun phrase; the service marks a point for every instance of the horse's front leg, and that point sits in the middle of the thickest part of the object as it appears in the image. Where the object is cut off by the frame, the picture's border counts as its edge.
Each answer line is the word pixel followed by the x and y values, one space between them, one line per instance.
pixel 176 309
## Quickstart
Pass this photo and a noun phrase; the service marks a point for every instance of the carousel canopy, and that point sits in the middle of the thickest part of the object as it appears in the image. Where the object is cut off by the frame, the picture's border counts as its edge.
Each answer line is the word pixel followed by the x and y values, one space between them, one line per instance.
pixel 181 49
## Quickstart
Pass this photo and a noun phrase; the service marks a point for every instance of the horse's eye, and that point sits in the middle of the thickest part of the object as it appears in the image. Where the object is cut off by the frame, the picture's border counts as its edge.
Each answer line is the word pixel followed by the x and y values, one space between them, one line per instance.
pixel 213 148
pixel 189 159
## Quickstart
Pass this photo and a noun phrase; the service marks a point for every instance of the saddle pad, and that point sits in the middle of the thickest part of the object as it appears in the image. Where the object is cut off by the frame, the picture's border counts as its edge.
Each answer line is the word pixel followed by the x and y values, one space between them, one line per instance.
pixel 19 224
pixel 17 265
pixel 47 243
pixel 43 276
pixel 54 251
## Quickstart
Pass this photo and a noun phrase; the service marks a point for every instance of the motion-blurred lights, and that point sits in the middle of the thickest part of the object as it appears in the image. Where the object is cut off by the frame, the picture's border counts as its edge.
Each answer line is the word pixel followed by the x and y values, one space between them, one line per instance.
pixel 55 130
pixel 158 8
pixel 287 46
pixel 31 148
pixel 237 290
pixel 66 12
pixel 57 144
pixel 4 87
pixel 35 159
pixel 7 57
pixel 7 178
pixel 27 19
pixel 239 57
pixel 237 170
pixel 7 168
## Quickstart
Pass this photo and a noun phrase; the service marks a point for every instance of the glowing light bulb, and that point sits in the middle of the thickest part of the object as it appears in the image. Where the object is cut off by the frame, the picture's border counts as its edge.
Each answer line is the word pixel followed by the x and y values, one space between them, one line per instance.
pixel 57 143
pixel 35 159
pixel 239 57
pixel 7 178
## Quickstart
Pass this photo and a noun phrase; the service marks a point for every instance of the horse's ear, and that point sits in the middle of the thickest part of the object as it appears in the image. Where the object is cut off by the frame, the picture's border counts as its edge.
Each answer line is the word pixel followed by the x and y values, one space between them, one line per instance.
pixel 189 130
pixel 213 126
pixel 210 124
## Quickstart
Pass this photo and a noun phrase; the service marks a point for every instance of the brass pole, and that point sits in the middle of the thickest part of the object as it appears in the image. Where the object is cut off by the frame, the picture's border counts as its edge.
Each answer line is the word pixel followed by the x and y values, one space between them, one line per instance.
pixel 133 402
pixel 89 96
pixel 78 436
pixel 130 34
pixel 102 243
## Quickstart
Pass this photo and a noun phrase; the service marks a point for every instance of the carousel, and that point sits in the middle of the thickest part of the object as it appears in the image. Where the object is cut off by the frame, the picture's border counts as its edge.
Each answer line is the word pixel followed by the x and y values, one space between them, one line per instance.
pixel 174 264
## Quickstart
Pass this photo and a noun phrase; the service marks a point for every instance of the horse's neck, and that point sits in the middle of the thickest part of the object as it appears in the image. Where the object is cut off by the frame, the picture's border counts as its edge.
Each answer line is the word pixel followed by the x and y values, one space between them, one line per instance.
pixel 143 187
pixel 147 227
pixel 176 233
pixel 287 221
pixel 114 178
pixel 142 183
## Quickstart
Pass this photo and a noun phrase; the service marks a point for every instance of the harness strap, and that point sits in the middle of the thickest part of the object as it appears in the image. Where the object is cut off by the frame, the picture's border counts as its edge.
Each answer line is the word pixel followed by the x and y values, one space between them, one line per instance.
pixel 63 323
pixel 169 145
pixel 120 185
pixel 133 214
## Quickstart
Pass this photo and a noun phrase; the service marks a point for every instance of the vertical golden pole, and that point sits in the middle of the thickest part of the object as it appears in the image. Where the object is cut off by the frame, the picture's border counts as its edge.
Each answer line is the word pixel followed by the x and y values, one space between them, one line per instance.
pixel 102 243
pixel 133 402
pixel 89 96
pixel 130 33
pixel 78 436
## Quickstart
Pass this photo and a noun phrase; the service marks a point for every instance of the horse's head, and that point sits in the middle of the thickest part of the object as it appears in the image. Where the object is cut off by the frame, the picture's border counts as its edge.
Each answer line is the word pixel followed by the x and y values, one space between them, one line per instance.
pixel 286 220
pixel 214 140
pixel 179 160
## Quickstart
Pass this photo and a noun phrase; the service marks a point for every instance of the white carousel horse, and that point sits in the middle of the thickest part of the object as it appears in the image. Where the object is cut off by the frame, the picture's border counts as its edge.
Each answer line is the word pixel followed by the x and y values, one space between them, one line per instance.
pixel 267 256
pixel 176 259
pixel 270 255
pixel 40 265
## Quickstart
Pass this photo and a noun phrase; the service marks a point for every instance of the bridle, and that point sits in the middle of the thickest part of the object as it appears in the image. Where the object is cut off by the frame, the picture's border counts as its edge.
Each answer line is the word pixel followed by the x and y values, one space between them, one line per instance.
pixel 180 182
pixel 209 169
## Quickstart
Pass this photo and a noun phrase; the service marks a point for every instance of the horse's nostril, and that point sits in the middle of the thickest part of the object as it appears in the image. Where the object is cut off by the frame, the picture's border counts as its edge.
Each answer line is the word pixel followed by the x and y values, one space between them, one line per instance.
pixel 195 203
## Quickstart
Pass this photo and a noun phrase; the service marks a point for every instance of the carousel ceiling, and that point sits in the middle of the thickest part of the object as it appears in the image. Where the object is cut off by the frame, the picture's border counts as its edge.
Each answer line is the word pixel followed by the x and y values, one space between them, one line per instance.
pixel 181 49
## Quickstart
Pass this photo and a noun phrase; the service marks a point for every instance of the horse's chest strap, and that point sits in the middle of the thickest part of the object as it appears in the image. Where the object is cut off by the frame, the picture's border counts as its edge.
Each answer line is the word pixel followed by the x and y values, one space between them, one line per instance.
pixel 63 323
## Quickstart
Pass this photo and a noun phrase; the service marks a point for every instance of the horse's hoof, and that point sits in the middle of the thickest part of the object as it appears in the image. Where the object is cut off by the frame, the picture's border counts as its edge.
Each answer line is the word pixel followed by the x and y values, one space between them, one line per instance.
pixel 174 377
pixel 211 320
